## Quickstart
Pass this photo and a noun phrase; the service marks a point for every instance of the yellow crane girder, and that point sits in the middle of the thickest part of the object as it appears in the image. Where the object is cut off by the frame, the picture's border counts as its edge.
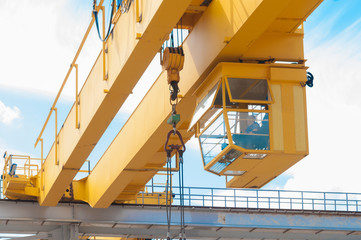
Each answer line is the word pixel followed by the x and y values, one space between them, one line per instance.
pixel 131 47
pixel 226 31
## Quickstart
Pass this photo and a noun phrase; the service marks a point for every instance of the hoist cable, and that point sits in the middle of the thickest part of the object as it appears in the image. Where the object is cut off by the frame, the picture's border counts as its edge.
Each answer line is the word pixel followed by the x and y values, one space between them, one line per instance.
pixel 168 196
pixel 181 195
pixel 180 199
pixel 172 40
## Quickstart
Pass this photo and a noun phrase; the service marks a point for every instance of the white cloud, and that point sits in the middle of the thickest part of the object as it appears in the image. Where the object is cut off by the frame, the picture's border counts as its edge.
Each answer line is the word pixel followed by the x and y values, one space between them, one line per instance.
pixel 8 114
pixel 334 113
pixel 40 39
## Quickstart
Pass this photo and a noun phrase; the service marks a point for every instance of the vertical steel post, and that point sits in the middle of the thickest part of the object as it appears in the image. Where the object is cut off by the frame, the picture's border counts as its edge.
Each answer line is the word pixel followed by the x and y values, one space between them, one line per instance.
pixel 137 10
pixel 189 196
pixel 152 185
pixel 346 201
pixel 42 152
pixel 77 124
pixel 104 43
pixel 257 197
pixel 56 136
pixel 234 195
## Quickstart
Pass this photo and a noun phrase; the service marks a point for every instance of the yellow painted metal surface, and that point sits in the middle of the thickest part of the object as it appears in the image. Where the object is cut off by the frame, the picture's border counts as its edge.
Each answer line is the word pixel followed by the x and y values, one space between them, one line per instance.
pixel 289 109
pixel 265 171
pixel 247 31
pixel 277 120
pixel 20 182
pixel 288 127
pixel 128 58
pixel 204 48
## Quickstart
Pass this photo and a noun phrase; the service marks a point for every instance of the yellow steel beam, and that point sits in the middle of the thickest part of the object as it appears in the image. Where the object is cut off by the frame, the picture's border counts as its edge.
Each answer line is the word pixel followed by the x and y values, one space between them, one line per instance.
pixel 227 29
pixel 131 47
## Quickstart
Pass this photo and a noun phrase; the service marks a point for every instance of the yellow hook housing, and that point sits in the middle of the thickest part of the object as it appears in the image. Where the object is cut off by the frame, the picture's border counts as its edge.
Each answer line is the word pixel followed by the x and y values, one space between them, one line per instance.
pixel 173 61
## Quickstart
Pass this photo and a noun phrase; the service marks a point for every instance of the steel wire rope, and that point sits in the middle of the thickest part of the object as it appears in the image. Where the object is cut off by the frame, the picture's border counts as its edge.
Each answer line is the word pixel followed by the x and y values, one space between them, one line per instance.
pixel 181 195
pixel 168 198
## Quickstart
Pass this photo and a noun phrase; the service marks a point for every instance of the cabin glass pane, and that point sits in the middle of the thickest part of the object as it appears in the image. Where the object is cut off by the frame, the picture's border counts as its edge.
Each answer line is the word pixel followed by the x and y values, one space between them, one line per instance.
pixel 204 105
pixel 250 130
pixel 213 140
pixel 246 89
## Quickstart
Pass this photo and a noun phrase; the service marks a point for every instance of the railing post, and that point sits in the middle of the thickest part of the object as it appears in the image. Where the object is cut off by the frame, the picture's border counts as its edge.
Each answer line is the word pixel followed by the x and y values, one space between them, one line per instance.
pixel 105 75
pixel 346 201
pixel 56 136
pixel 279 200
pixel 152 185
pixel 212 196
pixel 234 196
pixel 189 196
pixel 137 11
pixel 257 198
pixel 356 205
pixel 42 152
pixel 302 200
pixel 324 201
pixel 77 123
pixel 28 167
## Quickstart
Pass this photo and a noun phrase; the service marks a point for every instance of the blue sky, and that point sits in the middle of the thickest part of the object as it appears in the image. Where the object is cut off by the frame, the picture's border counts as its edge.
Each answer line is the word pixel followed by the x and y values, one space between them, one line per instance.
pixel 41 38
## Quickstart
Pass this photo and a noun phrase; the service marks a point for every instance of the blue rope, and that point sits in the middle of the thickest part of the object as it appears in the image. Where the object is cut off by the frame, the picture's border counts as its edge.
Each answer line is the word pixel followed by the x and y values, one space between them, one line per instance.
pixel 119 3
pixel 110 22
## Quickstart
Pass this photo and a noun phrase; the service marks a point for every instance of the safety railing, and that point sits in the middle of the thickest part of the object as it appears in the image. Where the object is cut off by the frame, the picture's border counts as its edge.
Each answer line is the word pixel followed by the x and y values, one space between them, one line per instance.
pixel 21 165
pixel 72 66
pixel 261 199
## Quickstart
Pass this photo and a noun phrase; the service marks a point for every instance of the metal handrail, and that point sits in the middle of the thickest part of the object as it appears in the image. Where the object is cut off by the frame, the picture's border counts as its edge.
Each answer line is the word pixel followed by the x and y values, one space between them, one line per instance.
pixel 72 65
pixel 262 199
pixel 254 199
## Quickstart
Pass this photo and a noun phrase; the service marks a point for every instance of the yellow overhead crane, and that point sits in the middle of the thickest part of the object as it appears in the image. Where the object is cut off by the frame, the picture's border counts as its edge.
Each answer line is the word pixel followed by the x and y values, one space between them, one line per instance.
pixel 242 93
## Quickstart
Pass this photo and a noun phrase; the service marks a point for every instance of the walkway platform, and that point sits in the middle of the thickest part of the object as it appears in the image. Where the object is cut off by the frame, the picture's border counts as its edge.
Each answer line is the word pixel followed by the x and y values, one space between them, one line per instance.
pixel 201 222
